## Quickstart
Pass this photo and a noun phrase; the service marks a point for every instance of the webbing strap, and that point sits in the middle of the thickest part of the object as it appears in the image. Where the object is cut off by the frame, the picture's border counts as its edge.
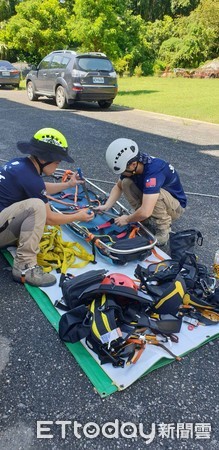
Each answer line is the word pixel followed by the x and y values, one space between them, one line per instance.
pixel 155 253
pixel 134 232
pixel 112 233
pixel 103 321
pixel 67 174
pixel 57 200
pixel 103 225
pixel 58 254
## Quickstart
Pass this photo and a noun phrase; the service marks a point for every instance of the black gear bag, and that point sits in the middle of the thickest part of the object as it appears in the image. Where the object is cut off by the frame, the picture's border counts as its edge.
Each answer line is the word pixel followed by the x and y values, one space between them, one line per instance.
pixel 73 287
pixel 184 241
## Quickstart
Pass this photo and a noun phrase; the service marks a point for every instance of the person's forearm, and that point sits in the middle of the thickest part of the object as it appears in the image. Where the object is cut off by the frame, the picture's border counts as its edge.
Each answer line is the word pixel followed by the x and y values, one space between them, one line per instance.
pixel 54 188
pixel 115 194
pixel 138 216
pixel 61 219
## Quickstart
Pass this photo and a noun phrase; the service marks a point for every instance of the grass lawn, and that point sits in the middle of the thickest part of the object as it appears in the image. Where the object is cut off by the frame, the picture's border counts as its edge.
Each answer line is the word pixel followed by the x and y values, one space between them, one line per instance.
pixel 184 97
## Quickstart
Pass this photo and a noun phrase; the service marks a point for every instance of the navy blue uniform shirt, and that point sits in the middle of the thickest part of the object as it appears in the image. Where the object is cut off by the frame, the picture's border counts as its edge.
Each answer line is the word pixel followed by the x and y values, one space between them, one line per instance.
pixel 159 174
pixel 19 180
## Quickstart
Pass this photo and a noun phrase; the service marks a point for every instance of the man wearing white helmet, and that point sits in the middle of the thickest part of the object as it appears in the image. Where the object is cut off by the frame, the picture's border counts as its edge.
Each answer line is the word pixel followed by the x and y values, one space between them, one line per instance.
pixel 151 186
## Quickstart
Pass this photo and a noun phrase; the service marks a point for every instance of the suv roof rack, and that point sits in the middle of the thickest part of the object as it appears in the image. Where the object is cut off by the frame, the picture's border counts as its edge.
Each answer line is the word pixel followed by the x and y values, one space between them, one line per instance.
pixel 94 53
pixel 73 52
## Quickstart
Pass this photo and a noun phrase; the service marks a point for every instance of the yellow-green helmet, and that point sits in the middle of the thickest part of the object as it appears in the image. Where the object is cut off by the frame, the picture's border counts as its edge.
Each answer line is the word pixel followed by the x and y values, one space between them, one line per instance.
pixel 48 144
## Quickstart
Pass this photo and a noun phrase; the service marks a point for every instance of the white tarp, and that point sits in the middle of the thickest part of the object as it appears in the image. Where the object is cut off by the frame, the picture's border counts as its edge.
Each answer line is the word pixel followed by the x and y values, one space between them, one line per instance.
pixel 189 337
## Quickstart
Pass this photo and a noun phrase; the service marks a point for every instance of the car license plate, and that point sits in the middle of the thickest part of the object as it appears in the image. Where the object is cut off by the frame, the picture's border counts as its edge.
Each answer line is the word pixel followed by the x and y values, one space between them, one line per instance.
pixel 5 73
pixel 98 80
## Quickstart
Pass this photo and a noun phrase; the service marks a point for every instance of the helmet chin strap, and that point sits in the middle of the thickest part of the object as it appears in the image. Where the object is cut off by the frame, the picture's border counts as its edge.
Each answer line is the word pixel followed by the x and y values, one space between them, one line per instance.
pixel 41 165
pixel 133 172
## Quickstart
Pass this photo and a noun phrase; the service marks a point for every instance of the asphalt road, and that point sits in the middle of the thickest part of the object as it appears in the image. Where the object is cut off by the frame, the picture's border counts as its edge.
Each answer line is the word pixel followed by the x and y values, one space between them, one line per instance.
pixel 39 379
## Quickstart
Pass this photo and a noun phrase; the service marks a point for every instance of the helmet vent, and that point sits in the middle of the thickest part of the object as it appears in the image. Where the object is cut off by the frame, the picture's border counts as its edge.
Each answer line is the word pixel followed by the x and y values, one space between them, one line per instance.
pixel 119 153
pixel 51 140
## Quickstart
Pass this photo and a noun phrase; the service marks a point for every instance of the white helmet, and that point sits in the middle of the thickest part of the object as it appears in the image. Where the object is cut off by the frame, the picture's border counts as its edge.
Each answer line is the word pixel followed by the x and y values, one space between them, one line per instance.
pixel 121 152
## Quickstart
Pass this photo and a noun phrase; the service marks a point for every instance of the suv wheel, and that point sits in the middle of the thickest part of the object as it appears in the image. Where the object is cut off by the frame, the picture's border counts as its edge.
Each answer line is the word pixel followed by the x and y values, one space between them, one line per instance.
pixel 31 92
pixel 105 103
pixel 61 98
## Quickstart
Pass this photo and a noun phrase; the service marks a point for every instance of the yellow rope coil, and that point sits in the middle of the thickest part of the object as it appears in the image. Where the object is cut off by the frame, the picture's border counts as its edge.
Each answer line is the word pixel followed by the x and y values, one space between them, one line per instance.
pixel 216 270
pixel 58 254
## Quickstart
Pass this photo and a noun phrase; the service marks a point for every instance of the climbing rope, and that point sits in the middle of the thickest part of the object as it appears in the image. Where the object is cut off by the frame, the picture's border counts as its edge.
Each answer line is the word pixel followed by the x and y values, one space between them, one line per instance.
pixel 55 253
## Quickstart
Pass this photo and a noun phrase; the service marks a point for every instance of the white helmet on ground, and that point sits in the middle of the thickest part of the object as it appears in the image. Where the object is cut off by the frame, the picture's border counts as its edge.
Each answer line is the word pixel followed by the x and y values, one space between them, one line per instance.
pixel 121 152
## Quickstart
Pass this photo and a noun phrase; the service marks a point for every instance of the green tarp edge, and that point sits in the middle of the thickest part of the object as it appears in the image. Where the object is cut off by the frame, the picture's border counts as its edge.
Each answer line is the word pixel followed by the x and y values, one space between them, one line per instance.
pixel 102 383
pixel 100 380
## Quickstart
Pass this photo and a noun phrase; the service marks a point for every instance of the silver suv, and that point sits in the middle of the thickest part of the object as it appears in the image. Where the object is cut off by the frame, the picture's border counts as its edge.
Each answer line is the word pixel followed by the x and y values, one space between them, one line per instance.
pixel 69 76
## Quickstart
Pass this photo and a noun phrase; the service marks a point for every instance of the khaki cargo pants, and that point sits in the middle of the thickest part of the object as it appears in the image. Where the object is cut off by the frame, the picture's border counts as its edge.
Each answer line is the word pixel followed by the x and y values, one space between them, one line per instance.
pixel 26 221
pixel 166 210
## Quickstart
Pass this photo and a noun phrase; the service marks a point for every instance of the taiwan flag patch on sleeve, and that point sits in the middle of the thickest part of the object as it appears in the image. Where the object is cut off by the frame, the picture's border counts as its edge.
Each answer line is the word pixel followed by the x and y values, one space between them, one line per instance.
pixel 151 182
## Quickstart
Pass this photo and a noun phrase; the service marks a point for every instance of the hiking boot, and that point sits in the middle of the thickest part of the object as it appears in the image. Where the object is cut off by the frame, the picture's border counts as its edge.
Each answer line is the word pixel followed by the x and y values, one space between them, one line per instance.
pixel 33 276
pixel 162 237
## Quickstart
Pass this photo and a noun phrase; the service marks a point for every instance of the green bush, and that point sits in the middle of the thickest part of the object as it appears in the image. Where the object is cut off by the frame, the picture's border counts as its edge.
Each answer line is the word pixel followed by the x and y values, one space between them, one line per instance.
pixel 122 65
pixel 159 66
pixel 147 67
pixel 138 72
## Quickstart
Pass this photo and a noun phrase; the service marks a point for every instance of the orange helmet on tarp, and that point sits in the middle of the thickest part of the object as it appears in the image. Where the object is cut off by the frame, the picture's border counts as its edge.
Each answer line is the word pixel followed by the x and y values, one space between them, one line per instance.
pixel 120 280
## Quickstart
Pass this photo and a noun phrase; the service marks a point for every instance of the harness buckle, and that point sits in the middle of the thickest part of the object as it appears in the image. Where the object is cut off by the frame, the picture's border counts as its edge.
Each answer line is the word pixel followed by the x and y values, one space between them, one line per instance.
pixel 208 289
pixel 103 308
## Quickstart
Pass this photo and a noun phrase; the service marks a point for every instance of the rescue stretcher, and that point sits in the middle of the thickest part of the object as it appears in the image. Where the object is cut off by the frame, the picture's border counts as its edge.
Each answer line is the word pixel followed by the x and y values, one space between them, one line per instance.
pixel 118 244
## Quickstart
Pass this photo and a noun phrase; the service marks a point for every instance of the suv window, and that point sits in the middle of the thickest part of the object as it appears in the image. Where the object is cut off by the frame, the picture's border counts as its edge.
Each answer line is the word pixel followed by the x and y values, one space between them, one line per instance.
pixel 94 64
pixel 56 62
pixel 45 62
pixel 65 62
